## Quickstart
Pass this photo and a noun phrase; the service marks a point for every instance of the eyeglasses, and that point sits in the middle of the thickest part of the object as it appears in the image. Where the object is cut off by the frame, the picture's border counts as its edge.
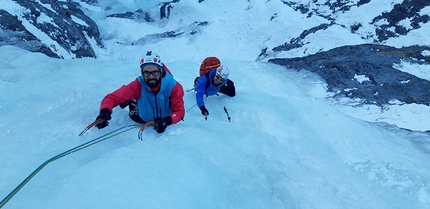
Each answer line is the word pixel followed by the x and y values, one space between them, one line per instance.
pixel 219 77
pixel 148 73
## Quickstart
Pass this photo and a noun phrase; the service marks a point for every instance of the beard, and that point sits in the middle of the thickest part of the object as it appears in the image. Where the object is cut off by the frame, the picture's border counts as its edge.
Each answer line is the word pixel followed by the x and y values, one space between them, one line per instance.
pixel 152 82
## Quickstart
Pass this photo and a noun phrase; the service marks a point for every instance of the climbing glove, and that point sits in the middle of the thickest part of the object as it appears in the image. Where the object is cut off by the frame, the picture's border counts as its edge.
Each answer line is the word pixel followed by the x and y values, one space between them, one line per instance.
pixel 160 124
pixel 105 116
pixel 205 111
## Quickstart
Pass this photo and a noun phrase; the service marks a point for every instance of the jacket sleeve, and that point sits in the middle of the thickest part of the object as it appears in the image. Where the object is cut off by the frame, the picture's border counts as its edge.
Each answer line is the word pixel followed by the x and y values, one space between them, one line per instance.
pixel 200 90
pixel 123 94
pixel 177 103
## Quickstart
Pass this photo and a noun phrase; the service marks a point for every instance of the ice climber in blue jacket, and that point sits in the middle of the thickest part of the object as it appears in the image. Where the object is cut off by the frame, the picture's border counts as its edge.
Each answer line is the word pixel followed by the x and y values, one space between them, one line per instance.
pixel 216 80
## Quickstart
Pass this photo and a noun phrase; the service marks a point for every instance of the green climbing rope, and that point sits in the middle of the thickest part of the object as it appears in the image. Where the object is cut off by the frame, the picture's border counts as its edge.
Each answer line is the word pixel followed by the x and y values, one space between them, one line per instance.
pixel 75 149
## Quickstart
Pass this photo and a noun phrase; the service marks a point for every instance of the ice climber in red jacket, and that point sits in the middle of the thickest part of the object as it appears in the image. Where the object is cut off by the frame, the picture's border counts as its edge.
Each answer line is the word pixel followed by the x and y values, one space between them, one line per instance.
pixel 153 96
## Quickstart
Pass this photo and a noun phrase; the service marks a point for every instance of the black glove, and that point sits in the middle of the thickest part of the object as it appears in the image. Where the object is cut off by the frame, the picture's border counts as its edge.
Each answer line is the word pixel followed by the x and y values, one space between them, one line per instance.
pixel 160 124
pixel 105 115
pixel 205 111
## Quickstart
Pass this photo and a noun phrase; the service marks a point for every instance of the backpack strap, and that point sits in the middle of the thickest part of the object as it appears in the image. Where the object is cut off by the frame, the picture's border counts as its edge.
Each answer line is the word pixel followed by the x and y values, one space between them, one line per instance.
pixel 207 80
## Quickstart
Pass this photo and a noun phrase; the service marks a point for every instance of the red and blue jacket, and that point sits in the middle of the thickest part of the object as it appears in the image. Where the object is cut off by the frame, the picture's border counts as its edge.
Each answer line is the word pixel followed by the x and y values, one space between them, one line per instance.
pixel 167 101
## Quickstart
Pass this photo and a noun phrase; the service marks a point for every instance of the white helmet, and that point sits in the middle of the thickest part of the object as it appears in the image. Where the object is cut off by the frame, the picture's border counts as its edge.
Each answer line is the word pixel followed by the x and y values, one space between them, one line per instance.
pixel 223 71
pixel 151 58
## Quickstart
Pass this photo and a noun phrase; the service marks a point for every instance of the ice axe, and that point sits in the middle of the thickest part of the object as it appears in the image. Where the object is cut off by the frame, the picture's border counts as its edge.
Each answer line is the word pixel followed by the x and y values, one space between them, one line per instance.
pixel 228 116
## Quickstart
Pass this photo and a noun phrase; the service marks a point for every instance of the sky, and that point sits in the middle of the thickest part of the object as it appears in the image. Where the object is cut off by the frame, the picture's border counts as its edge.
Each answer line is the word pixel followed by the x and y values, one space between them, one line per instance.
pixel 287 145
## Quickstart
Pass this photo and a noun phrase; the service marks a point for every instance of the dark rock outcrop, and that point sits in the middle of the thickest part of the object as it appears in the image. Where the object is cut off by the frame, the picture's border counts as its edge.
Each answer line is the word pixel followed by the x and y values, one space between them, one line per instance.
pixel 62 21
pixel 340 66
pixel 407 10
pixel 390 24
pixel 14 33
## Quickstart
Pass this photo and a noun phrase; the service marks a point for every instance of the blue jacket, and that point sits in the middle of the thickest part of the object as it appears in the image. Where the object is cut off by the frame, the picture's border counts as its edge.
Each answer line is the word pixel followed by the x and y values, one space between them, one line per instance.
pixel 201 90
pixel 155 105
